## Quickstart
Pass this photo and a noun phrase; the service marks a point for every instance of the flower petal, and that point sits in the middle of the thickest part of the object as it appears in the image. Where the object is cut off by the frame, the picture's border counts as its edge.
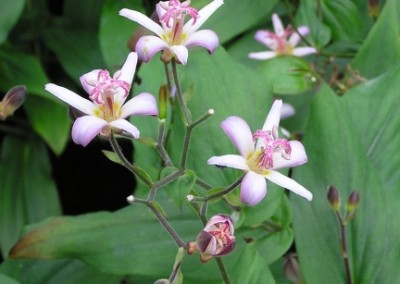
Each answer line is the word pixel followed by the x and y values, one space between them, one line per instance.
pixel 287 111
pixel 297 157
pixel 129 68
pixel 142 20
pixel 126 126
pixel 147 46
pixel 265 38
pixel 142 104
pixel 203 15
pixel 231 161
pixel 278 26
pixel 253 188
pixel 289 184
pixel 274 116
pixel 240 134
pixel 86 128
pixel 263 55
pixel 89 80
pixel 303 51
pixel 72 99
pixel 295 37
pixel 205 38
pixel 181 53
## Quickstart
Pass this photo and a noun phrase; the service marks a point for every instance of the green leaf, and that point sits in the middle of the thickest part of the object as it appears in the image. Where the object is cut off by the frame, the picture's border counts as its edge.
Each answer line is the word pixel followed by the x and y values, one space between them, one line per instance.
pixel 115 31
pixel 251 267
pixel 10 12
pixel 288 74
pixel 374 57
pixel 7 280
pixel 112 156
pixel 336 157
pixel 28 193
pixel 178 189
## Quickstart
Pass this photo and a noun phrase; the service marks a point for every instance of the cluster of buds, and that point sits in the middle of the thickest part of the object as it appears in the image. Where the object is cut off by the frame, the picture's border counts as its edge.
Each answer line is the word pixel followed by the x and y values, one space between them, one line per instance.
pixel 351 206
pixel 12 101
pixel 216 239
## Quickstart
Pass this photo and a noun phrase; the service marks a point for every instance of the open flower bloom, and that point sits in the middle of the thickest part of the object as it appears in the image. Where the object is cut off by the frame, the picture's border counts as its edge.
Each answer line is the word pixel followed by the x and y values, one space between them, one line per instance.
pixel 278 42
pixel 173 34
pixel 106 111
pixel 261 154
pixel 217 238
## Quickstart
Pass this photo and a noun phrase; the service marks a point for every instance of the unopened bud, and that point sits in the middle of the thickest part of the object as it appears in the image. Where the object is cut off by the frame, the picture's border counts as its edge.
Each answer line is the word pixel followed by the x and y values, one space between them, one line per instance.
pixel 291 268
pixel 217 238
pixel 352 204
pixel 163 99
pixel 130 199
pixel 373 8
pixel 334 198
pixel 162 281
pixel 12 101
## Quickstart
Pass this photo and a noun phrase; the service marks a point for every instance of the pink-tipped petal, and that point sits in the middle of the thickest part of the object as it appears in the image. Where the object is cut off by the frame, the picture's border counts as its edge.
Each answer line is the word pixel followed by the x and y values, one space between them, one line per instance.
pixel 142 20
pixel 287 111
pixel 253 188
pixel 205 38
pixel 289 184
pixel 129 68
pixel 295 37
pixel 265 38
pixel 181 53
pixel 89 80
pixel 239 133
pixel 86 128
pixel 274 116
pixel 263 55
pixel 230 161
pixel 297 157
pixel 72 99
pixel 203 15
pixel 142 104
pixel 303 51
pixel 278 26
pixel 126 126
pixel 147 46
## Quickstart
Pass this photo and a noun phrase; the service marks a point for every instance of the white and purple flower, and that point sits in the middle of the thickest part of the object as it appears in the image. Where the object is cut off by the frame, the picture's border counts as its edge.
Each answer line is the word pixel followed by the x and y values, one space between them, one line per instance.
pixel 261 155
pixel 106 111
pixel 173 35
pixel 278 42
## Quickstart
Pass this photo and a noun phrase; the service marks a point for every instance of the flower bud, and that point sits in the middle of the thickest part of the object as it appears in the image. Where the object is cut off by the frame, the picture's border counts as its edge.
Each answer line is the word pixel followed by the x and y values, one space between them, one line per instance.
pixel 11 101
pixel 352 203
pixel 334 198
pixel 217 238
pixel 373 8
pixel 163 99
pixel 291 268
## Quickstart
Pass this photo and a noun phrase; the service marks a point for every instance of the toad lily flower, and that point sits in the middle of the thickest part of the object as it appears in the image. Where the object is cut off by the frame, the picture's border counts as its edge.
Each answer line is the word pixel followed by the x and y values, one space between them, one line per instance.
pixel 107 111
pixel 278 42
pixel 173 35
pixel 261 154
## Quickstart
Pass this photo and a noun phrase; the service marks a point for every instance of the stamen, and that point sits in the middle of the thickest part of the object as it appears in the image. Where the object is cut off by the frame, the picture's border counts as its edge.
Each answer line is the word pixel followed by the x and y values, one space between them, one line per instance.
pixel 177 11
pixel 106 84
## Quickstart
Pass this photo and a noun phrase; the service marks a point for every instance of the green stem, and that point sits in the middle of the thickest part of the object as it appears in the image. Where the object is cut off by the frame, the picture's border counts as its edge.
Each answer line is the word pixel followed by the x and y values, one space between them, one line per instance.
pixel 188 134
pixel 162 182
pixel 182 105
pixel 222 269
pixel 203 184
pixel 128 165
pixel 160 144
pixel 344 248
pixel 167 226
pixel 219 194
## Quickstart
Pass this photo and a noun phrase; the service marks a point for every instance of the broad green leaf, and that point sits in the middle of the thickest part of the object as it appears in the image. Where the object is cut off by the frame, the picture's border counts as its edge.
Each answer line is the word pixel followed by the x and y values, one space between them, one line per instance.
pixel 381 49
pixel 115 31
pixel 56 271
pixel 9 14
pixel 343 17
pixel 28 193
pixel 178 189
pixel 48 116
pixel 7 280
pixel 251 267
pixel 288 74
pixel 336 157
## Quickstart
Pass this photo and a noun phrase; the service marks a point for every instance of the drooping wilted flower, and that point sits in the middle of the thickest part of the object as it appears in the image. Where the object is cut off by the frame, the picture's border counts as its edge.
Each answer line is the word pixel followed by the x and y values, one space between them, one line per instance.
pixel 261 155
pixel 13 99
pixel 106 111
pixel 279 43
pixel 173 35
